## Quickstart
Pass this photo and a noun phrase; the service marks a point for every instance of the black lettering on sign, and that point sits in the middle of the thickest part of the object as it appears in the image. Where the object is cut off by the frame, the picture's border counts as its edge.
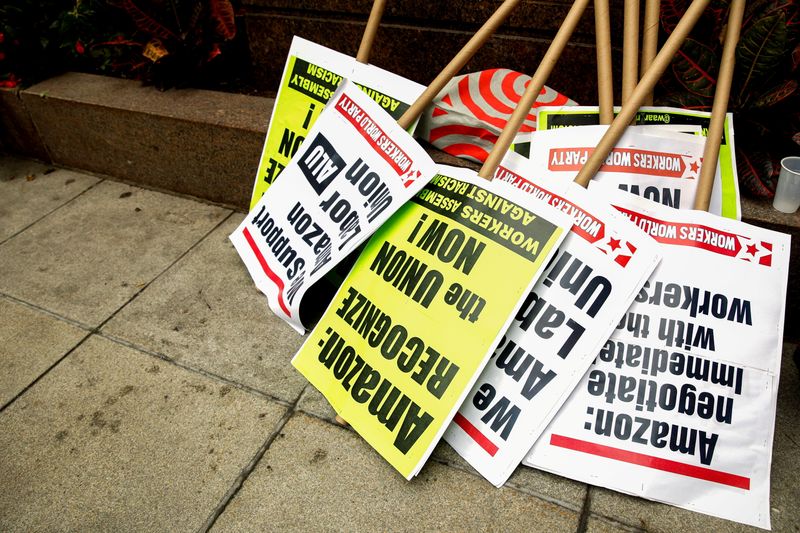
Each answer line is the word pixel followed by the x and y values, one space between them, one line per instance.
pixel 502 416
pixel 576 279
pixel 664 196
pixel 546 320
pixel 637 324
pixel 426 365
pixel 386 402
pixel 290 142
pixel 518 364
pixel 320 164
pixel 645 431
pixel 468 304
pixel 273 169
pixel 313 81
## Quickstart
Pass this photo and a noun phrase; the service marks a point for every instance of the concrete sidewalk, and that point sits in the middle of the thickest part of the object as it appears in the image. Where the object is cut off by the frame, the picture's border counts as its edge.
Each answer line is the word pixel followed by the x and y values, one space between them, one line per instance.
pixel 145 385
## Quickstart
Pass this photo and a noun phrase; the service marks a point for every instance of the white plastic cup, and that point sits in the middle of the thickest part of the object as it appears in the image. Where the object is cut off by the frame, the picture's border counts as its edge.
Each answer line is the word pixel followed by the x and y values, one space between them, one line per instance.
pixel 787 194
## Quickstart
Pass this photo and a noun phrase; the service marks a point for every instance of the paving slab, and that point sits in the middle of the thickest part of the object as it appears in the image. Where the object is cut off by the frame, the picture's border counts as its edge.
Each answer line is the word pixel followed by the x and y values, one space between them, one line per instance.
pixel 116 440
pixel 319 477
pixel 597 525
pixel 30 190
pixel 89 257
pixel 207 313
pixel 566 492
pixel 30 342
pixel 785 493
pixel 313 402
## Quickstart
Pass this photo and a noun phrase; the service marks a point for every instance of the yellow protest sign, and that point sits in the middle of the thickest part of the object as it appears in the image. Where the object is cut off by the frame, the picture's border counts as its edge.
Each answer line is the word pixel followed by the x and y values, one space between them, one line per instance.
pixel 426 302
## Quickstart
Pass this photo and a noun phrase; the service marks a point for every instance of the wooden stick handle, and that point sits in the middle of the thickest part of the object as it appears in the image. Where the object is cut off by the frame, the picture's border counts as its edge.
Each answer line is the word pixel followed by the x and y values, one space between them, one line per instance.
pixel 534 88
pixel 652 9
pixel 605 80
pixel 457 63
pixel 630 49
pixel 720 107
pixel 369 32
pixel 648 81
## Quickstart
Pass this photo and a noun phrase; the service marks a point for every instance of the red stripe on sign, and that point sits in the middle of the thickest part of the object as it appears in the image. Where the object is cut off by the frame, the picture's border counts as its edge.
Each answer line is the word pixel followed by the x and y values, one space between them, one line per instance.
pixel 378 139
pixel 268 271
pixel 476 435
pixel 649 461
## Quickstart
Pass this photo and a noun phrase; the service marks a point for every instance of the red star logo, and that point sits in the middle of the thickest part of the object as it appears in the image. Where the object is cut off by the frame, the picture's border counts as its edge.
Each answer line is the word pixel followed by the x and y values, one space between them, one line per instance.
pixel 613 244
pixel 752 249
pixel 694 167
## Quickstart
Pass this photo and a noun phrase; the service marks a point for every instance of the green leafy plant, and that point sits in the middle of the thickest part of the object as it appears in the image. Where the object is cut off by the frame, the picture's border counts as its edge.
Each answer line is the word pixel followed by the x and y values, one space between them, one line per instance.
pixel 765 98
pixel 164 42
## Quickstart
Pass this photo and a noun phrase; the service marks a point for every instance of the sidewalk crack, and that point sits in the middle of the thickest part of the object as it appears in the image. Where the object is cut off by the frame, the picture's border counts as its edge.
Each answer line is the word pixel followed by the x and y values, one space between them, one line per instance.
pixel 250 466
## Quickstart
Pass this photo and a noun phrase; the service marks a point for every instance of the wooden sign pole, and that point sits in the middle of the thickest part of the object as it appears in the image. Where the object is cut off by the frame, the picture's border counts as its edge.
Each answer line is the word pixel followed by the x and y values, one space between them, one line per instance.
pixel 720 107
pixel 652 11
pixel 630 49
pixel 368 38
pixel 605 79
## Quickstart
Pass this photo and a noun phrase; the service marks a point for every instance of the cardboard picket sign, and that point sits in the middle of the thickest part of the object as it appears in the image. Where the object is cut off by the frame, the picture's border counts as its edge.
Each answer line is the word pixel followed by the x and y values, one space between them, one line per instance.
pixel 355 169
pixel 679 406
pixel 725 200
pixel 416 319
pixel 663 169
pixel 310 77
pixel 566 318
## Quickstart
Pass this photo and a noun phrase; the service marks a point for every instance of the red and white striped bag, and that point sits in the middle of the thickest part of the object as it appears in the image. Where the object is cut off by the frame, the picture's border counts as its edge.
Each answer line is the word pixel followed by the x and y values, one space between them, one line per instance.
pixel 468 115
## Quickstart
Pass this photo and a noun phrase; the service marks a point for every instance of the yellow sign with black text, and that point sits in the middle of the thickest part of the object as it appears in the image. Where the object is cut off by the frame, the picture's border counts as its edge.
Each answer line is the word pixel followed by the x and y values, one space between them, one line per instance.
pixel 422 309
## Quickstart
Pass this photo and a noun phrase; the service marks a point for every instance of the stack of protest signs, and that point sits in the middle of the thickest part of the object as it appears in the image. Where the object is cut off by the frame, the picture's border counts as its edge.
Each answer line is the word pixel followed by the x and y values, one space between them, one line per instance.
pixel 679 406
pixel 424 307
pixel 348 175
pixel 594 333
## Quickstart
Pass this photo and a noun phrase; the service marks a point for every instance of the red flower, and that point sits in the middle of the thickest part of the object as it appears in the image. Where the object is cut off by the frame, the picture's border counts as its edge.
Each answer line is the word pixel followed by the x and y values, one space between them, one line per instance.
pixel 2 37
pixel 215 51
pixel 79 47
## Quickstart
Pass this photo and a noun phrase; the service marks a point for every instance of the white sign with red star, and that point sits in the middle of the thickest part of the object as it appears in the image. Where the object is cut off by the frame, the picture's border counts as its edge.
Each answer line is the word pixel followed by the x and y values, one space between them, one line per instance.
pixel 555 336
pixel 679 405
pixel 663 169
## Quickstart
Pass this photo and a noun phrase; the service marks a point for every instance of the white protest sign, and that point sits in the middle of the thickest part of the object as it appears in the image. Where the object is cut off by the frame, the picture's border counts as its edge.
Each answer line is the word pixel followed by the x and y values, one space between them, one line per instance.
pixel 725 193
pixel 556 334
pixel 354 170
pixel 310 77
pixel 679 406
pixel 660 169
